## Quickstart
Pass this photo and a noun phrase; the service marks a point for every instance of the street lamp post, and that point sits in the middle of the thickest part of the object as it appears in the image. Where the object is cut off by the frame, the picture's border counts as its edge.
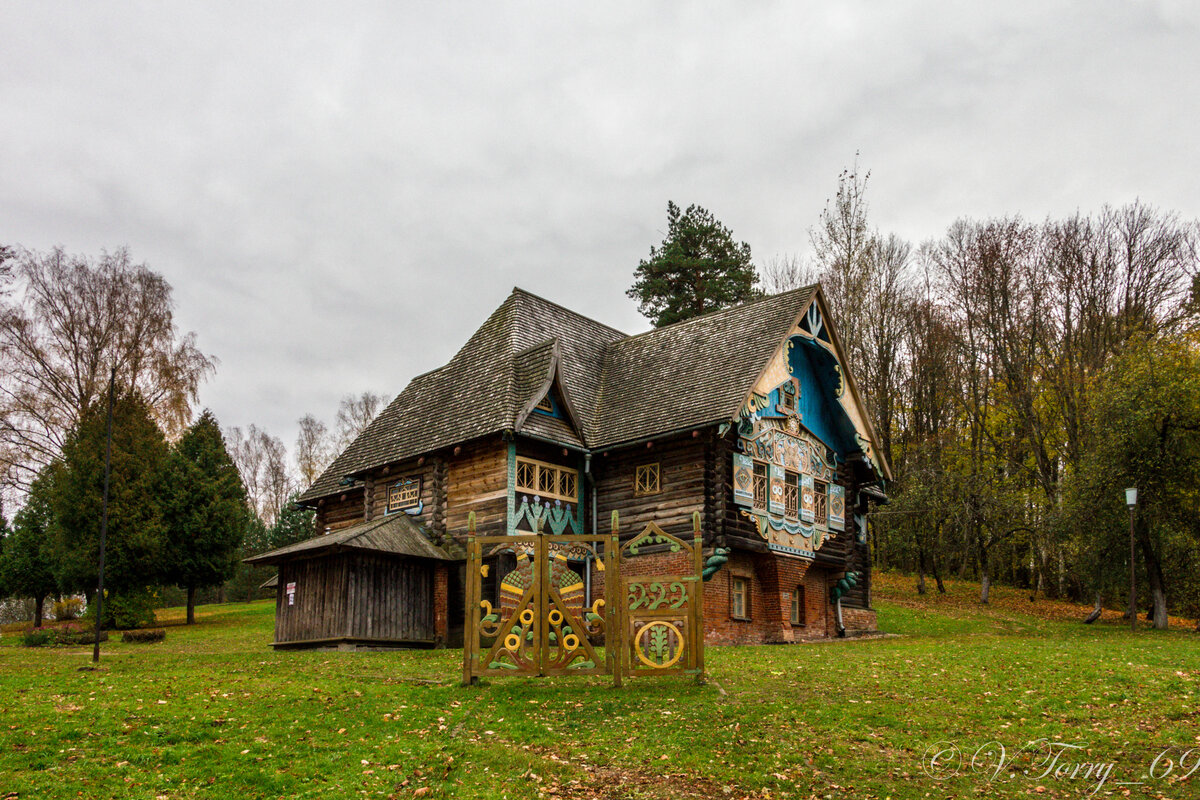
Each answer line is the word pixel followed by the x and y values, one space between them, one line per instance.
pixel 112 379
pixel 1131 501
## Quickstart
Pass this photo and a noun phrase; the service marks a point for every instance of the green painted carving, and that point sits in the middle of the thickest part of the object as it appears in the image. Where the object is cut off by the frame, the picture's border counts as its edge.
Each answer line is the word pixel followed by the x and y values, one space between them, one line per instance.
pixel 651 539
pixel 714 562
pixel 510 487
pixel 539 514
pixel 656 594
pixel 660 644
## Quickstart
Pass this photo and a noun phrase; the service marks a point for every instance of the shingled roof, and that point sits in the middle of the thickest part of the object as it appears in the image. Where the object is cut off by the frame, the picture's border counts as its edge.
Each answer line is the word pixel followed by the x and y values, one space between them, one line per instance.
pixel 616 388
pixel 692 373
pixel 396 534
pixel 493 375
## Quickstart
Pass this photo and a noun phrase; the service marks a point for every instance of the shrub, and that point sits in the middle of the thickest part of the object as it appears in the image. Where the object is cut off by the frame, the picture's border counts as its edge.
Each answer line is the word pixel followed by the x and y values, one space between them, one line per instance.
pixel 67 609
pixel 147 636
pixel 78 634
pixel 132 609
pixel 37 637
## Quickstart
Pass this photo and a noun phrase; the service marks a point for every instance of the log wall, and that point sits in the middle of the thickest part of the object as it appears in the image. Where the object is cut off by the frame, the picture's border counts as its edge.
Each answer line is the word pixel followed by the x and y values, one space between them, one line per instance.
pixel 682 472
pixel 382 479
pixel 340 510
pixel 477 480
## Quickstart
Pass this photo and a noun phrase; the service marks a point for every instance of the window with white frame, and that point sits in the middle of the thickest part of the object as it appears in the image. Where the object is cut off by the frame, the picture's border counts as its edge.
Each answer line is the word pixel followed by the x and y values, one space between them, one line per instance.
pixel 739 597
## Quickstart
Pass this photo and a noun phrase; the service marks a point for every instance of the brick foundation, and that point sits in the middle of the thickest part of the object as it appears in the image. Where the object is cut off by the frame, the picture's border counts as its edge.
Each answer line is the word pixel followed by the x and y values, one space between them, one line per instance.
pixel 771 581
pixel 859 619
pixel 441 587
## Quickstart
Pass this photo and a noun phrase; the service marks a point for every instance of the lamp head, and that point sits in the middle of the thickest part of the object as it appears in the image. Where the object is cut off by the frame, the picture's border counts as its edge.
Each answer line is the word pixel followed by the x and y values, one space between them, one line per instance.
pixel 1131 497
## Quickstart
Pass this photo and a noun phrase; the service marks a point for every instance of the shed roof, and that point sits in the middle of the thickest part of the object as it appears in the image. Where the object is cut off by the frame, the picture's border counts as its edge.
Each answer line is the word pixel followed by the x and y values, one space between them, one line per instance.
pixel 396 534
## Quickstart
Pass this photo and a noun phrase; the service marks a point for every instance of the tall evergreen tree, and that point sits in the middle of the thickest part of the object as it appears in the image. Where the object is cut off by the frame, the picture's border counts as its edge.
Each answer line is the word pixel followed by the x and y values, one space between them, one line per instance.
pixel 699 268
pixel 204 506
pixel 136 530
pixel 25 561
pixel 294 524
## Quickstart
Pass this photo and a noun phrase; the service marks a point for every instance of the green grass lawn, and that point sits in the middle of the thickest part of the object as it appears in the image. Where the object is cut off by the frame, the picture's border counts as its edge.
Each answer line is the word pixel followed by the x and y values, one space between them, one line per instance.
pixel 213 712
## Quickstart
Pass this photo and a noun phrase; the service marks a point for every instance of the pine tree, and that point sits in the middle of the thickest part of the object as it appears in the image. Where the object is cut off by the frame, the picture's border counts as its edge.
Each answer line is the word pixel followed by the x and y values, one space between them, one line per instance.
pixel 25 561
pixel 136 531
pixel 698 269
pixel 294 524
pixel 204 506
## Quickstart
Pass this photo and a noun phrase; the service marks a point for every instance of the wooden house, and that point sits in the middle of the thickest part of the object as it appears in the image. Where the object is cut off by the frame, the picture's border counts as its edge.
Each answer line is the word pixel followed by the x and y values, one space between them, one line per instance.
pixel 548 420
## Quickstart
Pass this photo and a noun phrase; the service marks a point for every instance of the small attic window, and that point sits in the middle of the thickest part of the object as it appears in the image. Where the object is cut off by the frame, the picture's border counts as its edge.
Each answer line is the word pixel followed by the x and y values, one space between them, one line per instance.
pixel 787 397
pixel 545 405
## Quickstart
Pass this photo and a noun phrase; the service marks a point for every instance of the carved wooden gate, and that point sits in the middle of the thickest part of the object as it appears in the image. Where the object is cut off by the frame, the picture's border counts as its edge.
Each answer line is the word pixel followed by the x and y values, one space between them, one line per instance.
pixel 661 618
pixel 543 617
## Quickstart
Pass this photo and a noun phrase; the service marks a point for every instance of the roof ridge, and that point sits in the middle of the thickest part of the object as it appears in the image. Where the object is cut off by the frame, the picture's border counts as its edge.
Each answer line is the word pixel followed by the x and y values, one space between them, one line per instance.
pixel 719 311
pixel 527 293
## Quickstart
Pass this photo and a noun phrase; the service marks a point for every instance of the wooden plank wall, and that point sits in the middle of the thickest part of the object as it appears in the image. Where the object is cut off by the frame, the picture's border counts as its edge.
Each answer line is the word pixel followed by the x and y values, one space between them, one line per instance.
pixel 682 471
pixel 477 480
pixel 390 598
pixel 320 609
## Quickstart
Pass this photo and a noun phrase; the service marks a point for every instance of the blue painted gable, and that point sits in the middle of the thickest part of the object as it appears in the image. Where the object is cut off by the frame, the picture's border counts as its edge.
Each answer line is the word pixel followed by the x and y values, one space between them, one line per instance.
pixel 821 385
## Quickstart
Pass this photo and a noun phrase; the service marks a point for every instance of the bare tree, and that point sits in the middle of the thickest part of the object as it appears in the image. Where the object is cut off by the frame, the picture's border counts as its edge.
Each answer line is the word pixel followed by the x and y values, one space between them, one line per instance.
pixel 842 242
pixel 354 415
pixel 262 461
pixel 66 322
pixel 7 255
pixel 884 314
pixel 782 273
pixel 314 449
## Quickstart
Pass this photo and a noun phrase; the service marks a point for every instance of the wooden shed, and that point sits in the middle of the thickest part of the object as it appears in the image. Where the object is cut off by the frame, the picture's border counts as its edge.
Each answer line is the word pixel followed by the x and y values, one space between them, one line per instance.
pixel 377 584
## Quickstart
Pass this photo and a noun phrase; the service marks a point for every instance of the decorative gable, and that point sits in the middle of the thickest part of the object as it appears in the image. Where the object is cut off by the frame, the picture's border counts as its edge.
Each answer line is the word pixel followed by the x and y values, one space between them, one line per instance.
pixel 800 421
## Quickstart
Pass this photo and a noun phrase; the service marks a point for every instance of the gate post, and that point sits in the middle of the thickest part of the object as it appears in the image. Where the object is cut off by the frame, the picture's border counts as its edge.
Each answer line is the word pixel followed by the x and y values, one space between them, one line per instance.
pixel 697 609
pixel 541 599
pixel 471 601
pixel 614 637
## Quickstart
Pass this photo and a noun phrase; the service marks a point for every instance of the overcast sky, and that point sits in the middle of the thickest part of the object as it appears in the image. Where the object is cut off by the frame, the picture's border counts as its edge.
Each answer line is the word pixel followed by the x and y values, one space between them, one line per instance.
pixel 340 193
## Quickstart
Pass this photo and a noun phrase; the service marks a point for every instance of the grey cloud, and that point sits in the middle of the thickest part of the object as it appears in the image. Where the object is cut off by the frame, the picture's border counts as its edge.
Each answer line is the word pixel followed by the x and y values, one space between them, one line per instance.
pixel 340 194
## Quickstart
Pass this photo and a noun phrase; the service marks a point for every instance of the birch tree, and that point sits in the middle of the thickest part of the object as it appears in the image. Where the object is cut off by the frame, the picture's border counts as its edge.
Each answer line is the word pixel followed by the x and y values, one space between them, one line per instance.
pixel 65 321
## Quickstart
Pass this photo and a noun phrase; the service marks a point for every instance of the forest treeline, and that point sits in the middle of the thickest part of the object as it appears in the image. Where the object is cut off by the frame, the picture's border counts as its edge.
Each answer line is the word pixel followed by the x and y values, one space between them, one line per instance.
pixel 1022 375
